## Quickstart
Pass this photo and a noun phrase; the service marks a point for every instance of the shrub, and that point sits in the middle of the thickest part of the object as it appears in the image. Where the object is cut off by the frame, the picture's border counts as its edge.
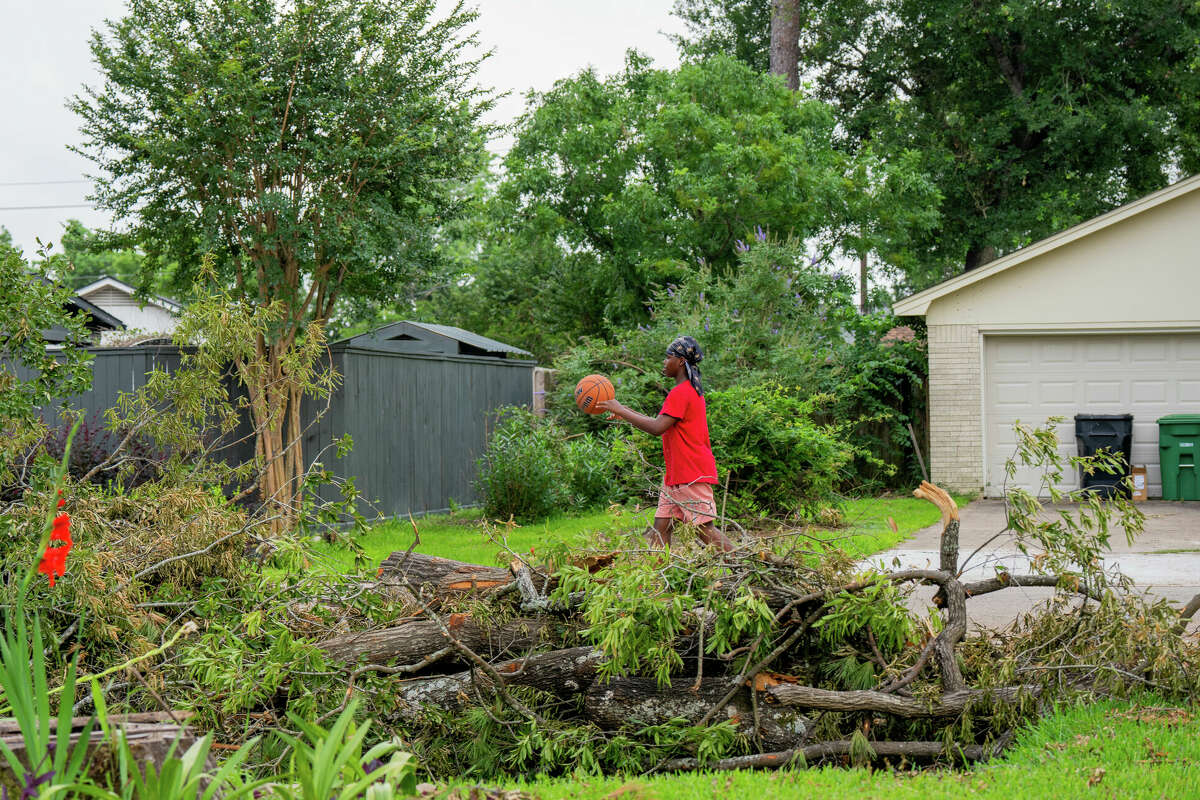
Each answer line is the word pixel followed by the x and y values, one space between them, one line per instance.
pixel 532 469
pixel 778 460
pixel 782 316
pixel 521 473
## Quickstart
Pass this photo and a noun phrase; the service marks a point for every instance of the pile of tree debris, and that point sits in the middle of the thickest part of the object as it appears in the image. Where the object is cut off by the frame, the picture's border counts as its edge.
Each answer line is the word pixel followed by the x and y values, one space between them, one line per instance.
pixel 797 656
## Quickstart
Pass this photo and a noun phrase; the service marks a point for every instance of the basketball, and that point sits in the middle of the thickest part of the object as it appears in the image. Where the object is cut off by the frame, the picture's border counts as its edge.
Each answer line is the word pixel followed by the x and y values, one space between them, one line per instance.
pixel 593 389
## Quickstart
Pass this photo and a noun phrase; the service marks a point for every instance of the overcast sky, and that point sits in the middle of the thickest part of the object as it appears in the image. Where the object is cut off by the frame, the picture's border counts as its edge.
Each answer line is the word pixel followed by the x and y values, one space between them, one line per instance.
pixel 44 59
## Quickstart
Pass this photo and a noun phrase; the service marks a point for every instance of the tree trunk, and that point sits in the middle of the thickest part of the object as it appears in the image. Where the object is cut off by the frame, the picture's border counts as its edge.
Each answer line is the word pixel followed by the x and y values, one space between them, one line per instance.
pixel 948 705
pixel 862 284
pixel 560 672
pixel 978 255
pixel 785 41
pixel 445 575
pixel 413 641
pixel 642 701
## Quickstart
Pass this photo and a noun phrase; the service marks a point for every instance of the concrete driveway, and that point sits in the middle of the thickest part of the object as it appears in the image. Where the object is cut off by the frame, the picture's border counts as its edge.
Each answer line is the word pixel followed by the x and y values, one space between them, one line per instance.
pixel 1164 561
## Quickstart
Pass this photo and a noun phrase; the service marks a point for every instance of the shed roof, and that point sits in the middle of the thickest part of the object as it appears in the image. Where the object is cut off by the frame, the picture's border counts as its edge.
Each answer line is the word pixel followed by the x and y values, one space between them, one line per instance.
pixel 917 305
pixel 427 337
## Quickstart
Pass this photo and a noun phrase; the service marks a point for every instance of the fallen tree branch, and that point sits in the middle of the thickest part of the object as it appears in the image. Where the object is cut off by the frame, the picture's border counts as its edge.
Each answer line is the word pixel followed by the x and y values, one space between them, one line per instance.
pixel 1004 580
pixel 948 705
pixel 823 750
pixel 414 640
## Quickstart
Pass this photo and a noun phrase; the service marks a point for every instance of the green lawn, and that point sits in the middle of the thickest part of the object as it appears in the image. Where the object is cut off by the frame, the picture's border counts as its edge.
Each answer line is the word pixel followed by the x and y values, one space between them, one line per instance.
pixel 464 536
pixel 1102 750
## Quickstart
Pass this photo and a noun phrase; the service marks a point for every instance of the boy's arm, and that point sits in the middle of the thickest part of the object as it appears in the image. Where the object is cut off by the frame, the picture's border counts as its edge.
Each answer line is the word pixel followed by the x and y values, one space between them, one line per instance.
pixel 652 425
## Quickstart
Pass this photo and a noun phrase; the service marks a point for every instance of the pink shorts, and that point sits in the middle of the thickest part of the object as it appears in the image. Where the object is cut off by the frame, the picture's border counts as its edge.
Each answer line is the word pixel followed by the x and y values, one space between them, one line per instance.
pixel 689 502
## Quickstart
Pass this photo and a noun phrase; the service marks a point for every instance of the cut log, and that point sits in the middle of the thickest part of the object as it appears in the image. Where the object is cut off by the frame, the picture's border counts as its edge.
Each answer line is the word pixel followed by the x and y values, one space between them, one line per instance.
pixel 560 672
pixel 443 575
pixel 150 737
pixel 415 640
pixel 641 701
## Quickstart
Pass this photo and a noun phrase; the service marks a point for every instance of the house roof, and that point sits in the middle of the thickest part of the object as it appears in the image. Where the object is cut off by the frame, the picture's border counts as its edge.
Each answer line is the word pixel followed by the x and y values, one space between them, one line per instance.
pixel 397 333
pixel 917 305
pixel 109 282
pixel 101 316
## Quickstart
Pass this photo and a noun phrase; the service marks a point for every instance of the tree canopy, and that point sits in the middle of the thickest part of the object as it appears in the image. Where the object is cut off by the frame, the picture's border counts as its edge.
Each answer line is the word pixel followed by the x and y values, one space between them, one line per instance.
pixel 617 186
pixel 1029 116
pixel 311 148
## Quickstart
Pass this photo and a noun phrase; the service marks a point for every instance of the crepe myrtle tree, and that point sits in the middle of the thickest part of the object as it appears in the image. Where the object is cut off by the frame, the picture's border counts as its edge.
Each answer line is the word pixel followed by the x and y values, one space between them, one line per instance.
pixel 311 147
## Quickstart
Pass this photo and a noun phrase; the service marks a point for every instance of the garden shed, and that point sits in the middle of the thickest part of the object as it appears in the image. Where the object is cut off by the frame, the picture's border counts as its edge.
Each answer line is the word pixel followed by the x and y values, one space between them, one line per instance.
pixel 1101 318
pixel 417 399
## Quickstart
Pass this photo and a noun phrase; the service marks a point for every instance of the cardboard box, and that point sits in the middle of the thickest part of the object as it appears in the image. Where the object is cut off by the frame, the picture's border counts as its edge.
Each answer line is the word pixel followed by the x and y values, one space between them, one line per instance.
pixel 1139 483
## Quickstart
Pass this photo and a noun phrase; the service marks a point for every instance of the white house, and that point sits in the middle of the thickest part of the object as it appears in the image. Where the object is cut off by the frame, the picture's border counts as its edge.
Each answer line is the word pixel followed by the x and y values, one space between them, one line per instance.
pixel 153 315
pixel 1101 318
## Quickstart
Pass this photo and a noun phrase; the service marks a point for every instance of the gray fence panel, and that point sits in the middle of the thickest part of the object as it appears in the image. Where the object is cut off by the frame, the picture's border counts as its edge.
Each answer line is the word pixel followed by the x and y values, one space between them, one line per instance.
pixel 419 422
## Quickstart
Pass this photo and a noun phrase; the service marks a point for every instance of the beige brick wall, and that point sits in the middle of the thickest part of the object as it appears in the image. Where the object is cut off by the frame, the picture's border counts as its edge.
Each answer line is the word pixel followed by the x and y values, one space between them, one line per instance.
pixel 955 407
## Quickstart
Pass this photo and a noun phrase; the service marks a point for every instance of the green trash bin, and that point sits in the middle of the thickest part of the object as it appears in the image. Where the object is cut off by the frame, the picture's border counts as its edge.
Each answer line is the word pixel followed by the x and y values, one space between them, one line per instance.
pixel 1178 441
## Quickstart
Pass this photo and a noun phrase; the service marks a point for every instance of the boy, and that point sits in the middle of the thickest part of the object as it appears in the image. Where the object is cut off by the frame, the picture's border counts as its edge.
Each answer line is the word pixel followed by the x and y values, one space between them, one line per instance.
pixel 687 490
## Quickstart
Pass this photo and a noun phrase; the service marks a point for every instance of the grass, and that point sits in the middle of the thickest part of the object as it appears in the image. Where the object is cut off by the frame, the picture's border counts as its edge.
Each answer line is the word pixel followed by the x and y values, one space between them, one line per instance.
pixel 462 535
pixel 1100 750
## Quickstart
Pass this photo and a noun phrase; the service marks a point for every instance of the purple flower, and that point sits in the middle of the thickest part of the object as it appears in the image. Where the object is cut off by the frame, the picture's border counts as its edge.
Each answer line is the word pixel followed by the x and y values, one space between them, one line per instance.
pixel 741 246
pixel 775 331
pixel 670 290
pixel 706 326
pixel 759 233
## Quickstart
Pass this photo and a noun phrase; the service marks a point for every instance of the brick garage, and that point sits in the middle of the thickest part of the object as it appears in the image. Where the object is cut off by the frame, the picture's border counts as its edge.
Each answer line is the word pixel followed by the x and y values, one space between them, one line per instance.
pixel 1101 318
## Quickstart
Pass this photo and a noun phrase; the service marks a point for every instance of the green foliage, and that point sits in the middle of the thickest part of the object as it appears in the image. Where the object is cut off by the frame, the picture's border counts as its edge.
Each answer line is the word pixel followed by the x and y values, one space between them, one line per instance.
pixel 310 146
pixel 878 607
pixel 331 765
pixel 1028 116
pixel 31 375
pixel 49 753
pixel 781 319
pixel 1066 543
pixel 634 613
pixel 519 475
pixel 618 186
pixel 530 471
pixel 88 255
pixel 777 459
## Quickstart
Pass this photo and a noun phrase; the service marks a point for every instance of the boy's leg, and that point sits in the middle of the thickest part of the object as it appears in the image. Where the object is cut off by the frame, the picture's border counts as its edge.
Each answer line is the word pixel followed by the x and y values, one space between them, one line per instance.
pixel 711 536
pixel 661 536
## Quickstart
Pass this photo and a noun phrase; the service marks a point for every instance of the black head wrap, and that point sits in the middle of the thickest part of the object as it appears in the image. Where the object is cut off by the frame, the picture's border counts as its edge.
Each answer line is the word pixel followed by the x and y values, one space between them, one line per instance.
pixel 688 349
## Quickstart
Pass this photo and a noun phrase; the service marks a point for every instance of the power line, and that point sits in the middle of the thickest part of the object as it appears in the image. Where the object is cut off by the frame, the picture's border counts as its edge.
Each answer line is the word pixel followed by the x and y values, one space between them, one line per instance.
pixel 39 208
pixel 43 183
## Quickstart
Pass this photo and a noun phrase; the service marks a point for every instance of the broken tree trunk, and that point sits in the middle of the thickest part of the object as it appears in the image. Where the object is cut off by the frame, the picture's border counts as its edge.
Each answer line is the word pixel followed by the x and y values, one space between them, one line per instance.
pixel 949 541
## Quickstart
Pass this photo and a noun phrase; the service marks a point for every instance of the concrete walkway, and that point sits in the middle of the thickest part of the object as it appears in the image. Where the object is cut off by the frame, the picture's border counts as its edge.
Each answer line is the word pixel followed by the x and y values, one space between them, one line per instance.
pixel 1164 561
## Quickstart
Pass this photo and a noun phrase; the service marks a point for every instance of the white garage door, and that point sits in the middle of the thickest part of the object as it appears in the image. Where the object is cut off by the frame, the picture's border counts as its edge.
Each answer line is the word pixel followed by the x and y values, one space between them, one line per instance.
pixel 1030 378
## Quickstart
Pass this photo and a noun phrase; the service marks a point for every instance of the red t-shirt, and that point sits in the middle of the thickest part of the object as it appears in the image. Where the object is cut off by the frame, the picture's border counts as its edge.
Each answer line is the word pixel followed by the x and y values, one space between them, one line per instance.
pixel 686 449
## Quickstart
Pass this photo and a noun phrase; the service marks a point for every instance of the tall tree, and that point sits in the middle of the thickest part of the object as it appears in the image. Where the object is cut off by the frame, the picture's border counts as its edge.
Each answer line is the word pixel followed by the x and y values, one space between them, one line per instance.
pixel 91 257
pixel 785 41
pixel 617 186
pixel 1030 116
pixel 308 145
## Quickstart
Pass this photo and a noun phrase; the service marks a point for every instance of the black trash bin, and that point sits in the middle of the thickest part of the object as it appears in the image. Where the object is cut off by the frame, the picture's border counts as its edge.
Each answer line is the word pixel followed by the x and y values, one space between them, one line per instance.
pixel 1113 432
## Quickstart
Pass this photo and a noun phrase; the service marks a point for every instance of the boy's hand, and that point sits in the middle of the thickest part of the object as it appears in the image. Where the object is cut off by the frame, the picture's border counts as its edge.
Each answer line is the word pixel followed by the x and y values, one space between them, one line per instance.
pixel 612 407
